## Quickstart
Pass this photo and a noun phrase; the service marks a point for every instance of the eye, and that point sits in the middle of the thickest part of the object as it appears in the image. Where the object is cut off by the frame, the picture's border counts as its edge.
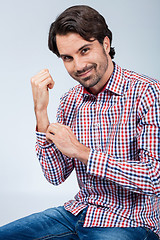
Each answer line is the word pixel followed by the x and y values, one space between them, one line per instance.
pixel 84 51
pixel 66 58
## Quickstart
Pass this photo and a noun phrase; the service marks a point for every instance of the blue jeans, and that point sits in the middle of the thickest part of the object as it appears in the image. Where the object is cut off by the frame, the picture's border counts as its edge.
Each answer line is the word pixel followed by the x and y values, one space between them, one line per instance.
pixel 57 223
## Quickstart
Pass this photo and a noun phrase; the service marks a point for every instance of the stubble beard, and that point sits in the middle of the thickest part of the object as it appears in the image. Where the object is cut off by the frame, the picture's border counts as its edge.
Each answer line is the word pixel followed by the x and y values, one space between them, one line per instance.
pixel 93 79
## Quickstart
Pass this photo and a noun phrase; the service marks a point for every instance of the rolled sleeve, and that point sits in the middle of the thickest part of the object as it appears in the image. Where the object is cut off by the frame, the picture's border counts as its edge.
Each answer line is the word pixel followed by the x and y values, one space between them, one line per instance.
pixel 41 140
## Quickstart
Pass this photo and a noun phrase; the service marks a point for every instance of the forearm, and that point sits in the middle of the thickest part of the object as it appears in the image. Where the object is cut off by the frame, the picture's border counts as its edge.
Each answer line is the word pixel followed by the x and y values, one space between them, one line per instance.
pixel 82 153
pixel 42 121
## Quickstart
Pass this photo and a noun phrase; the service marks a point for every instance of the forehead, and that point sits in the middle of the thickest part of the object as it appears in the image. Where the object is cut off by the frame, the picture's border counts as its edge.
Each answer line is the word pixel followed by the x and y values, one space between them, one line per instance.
pixel 70 42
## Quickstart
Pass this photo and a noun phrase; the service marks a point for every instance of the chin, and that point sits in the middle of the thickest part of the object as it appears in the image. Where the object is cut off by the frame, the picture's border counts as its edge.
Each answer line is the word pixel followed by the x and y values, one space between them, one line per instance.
pixel 92 84
pixel 89 85
pixel 88 82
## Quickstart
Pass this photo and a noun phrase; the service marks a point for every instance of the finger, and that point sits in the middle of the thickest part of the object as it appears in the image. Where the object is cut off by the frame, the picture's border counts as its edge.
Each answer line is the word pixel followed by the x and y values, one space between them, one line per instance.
pixel 40 77
pixel 51 129
pixel 40 73
pixel 58 126
pixel 44 77
pixel 51 84
pixel 44 70
pixel 54 128
pixel 50 137
pixel 47 82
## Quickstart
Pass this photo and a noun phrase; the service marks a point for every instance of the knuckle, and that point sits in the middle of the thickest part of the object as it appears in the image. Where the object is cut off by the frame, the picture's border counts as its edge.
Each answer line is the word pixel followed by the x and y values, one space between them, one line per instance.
pixel 39 86
pixel 36 84
pixel 50 127
pixel 45 70
pixel 32 79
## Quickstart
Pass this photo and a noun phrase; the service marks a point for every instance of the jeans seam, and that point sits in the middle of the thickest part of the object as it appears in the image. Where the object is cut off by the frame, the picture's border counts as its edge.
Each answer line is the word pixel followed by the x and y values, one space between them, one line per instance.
pixel 52 235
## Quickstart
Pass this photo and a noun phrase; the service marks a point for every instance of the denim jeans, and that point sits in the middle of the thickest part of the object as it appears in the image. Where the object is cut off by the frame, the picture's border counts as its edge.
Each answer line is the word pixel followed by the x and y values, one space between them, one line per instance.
pixel 57 223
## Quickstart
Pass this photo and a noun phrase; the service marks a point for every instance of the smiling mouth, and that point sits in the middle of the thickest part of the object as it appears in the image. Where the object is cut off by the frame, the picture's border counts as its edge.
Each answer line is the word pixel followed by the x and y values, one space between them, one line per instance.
pixel 85 73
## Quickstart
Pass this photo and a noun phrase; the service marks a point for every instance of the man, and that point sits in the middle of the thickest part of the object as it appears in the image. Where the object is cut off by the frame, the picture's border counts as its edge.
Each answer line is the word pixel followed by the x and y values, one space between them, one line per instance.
pixel 108 130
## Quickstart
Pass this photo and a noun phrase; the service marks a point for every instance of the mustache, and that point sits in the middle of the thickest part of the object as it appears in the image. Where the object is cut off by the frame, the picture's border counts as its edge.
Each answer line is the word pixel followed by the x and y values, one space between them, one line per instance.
pixel 85 69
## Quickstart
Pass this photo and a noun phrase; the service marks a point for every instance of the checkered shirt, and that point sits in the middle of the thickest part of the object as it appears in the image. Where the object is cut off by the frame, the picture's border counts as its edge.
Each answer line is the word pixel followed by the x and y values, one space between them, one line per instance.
pixel 121 125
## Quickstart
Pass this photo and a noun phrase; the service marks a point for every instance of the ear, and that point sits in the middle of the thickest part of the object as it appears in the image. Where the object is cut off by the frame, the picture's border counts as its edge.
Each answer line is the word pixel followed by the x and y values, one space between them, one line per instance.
pixel 106 45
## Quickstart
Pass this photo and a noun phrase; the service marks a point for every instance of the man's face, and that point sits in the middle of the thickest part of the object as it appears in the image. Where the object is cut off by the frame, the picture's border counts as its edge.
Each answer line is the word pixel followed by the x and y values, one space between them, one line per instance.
pixel 86 62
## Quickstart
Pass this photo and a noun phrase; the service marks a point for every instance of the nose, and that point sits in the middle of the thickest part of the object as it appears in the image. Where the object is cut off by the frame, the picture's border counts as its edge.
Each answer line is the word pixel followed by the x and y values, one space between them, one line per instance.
pixel 79 64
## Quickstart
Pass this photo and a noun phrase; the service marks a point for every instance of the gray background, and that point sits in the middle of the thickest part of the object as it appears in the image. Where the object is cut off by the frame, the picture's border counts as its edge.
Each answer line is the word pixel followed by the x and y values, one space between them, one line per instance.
pixel 24 29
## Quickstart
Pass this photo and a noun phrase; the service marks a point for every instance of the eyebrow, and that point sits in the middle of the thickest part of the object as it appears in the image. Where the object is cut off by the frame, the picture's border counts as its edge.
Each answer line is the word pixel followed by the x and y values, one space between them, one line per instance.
pixel 84 46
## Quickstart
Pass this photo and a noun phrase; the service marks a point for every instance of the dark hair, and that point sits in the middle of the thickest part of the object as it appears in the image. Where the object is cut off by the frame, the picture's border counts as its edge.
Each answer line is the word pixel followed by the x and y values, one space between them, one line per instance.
pixel 85 21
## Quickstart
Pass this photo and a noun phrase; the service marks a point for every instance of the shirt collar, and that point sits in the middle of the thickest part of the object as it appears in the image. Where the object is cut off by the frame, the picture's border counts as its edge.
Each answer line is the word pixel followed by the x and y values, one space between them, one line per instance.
pixel 115 83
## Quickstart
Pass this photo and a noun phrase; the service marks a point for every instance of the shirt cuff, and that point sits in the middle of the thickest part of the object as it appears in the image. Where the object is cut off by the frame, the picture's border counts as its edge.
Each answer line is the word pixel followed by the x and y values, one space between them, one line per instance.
pixel 97 163
pixel 41 140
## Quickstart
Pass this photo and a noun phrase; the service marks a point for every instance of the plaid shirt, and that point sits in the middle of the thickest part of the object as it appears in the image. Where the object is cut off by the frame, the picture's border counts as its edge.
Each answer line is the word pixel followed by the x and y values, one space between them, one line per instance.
pixel 121 125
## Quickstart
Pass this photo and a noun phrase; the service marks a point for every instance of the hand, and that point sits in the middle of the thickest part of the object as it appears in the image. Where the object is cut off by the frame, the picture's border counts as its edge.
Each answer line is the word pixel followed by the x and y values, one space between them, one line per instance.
pixel 40 84
pixel 65 140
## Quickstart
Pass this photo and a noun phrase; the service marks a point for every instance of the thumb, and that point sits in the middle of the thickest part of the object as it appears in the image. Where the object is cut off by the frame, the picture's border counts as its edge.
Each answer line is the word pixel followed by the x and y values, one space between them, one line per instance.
pixel 51 85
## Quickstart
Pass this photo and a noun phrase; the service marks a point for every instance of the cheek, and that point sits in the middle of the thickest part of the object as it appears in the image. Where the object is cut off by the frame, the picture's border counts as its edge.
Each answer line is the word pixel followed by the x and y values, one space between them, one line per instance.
pixel 69 67
pixel 103 62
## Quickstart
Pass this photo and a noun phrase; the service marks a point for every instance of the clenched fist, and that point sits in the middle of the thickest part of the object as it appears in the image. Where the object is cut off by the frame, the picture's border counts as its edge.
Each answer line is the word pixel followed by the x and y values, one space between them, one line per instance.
pixel 40 84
